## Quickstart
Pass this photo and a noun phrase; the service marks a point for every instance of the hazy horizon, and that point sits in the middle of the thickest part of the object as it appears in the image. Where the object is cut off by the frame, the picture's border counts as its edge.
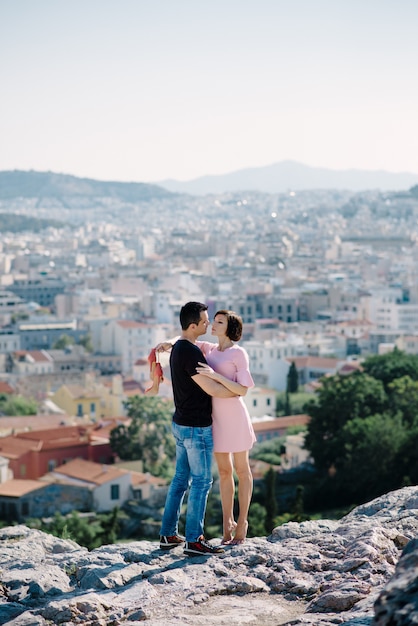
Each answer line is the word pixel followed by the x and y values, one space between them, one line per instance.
pixel 134 91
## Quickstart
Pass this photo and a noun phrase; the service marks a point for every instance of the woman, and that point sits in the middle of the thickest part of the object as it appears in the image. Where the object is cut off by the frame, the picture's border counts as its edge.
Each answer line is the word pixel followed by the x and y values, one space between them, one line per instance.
pixel 233 434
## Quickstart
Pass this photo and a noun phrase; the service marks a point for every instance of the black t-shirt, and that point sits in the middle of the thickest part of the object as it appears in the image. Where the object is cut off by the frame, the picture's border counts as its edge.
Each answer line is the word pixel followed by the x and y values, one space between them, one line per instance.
pixel 193 406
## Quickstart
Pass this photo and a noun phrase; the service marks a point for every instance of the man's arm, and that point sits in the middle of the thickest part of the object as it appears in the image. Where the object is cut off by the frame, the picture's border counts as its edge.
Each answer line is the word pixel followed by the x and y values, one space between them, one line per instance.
pixel 234 387
pixel 212 387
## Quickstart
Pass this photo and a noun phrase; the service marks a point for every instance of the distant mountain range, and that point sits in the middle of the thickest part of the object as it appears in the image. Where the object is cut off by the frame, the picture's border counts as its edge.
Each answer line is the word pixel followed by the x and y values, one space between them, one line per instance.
pixel 31 184
pixel 289 175
pixel 277 178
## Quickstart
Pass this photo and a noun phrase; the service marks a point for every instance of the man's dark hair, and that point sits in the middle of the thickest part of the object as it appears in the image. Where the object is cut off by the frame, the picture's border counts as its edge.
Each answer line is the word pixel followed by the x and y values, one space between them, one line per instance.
pixel 190 314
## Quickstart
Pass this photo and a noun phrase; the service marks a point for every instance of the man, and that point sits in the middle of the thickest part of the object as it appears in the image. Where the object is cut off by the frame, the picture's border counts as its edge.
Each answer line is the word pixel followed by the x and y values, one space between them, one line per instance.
pixel 192 430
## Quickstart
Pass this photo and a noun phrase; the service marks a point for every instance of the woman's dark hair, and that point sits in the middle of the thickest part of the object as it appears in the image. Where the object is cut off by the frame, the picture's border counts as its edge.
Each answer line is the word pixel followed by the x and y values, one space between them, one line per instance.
pixel 190 314
pixel 234 326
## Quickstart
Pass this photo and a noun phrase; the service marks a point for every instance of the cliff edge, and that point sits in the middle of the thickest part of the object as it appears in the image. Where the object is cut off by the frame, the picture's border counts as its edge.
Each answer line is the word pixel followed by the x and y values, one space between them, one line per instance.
pixel 361 570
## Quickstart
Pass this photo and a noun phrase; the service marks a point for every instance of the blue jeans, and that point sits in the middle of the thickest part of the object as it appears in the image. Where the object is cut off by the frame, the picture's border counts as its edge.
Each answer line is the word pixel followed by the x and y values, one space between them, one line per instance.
pixel 194 451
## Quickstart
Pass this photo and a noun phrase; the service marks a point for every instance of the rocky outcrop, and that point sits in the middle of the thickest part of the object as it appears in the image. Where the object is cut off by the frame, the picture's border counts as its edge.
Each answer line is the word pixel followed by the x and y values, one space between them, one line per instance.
pixel 397 604
pixel 318 573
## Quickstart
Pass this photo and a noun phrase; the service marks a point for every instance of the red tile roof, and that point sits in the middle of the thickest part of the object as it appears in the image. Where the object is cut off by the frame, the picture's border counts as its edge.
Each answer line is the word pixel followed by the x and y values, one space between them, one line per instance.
pixel 5 387
pixel 37 355
pixel 280 423
pixel 131 324
pixel 89 472
pixel 13 447
pixel 132 387
pixel 354 323
pixel 103 429
pixel 349 368
pixel 138 478
pixel 79 392
pixel 17 487
pixel 314 361
pixel 21 423
pixel 61 434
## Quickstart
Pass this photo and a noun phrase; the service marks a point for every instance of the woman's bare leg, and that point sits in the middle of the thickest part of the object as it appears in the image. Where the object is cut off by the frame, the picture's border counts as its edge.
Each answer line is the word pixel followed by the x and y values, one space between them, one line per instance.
pixel 245 491
pixel 227 490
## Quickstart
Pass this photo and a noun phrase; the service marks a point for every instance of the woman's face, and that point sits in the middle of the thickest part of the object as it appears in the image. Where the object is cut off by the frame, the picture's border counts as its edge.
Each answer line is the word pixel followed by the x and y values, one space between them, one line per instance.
pixel 219 325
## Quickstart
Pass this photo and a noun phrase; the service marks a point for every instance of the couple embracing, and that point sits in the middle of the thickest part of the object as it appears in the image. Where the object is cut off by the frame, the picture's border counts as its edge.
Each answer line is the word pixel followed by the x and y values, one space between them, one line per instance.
pixel 210 416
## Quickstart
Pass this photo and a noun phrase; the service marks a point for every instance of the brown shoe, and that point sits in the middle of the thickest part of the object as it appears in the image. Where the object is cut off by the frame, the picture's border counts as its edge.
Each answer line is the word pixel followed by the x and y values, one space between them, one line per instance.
pixel 201 547
pixel 168 543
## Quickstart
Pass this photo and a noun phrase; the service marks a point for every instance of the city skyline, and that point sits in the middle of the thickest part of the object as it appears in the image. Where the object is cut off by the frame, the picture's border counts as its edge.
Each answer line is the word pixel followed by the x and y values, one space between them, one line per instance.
pixel 145 92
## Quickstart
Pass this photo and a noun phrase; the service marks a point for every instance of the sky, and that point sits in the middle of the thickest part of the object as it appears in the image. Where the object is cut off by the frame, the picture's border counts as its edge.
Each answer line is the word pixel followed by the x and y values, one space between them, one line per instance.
pixel 148 90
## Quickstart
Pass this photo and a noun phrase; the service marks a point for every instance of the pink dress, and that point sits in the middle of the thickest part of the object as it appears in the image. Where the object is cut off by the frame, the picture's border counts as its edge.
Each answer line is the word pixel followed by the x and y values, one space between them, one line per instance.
pixel 232 428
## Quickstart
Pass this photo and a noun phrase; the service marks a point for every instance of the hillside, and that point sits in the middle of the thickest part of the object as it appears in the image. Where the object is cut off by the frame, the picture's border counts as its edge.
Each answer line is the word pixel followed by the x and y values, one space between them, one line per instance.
pixel 12 223
pixel 289 175
pixel 31 184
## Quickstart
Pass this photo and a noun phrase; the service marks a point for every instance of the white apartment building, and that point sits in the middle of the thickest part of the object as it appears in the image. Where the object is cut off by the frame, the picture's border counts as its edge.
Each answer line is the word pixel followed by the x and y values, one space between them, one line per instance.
pixel 9 341
pixel 378 307
pixel 92 303
pixel 133 286
pixel 268 364
pixel 95 327
pixel 260 401
pixel 163 308
pixel 110 485
pixel 10 303
pixel 351 329
pixel 5 473
pixel 32 362
pixel 175 289
pixel 391 315
pixel 408 343
pixel 406 318
pixel 132 340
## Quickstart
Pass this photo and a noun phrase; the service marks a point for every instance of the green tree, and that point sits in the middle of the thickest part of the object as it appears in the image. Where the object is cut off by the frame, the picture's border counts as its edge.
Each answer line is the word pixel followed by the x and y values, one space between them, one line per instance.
pixel 387 367
pixel 20 315
pixel 287 407
pixel 110 526
pixel 63 342
pixel 363 432
pixel 17 405
pixel 148 437
pixel 89 531
pixel 213 515
pixel 339 400
pixel 296 407
pixel 298 514
pixel 292 379
pixel 83 531
pixel 408 458
pixel 270 501
pixel 369 465
pixel 257 520
pixel 86 342
pixel 403 398
pixel 269 451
